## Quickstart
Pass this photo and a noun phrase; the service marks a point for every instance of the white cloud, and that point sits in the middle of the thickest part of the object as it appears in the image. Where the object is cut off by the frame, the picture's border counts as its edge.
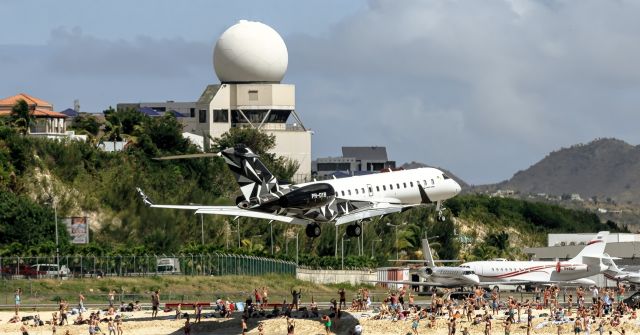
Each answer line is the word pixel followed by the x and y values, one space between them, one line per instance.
pixel 507 80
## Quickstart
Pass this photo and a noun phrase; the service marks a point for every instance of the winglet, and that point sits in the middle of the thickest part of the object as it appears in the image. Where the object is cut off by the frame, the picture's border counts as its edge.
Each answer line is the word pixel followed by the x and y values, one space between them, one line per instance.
pixel 144 197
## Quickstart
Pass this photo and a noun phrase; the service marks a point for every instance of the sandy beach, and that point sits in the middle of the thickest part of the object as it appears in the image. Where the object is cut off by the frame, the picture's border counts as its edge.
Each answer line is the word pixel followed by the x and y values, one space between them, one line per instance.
pixel 141 323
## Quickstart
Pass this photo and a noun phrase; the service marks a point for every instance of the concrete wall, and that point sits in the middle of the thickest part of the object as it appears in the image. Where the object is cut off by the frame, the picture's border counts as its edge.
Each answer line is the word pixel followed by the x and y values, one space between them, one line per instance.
pixel 335 276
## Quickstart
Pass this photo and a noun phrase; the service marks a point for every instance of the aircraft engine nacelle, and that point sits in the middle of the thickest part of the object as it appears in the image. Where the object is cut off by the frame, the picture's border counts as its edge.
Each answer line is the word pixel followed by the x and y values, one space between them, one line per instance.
pixel 425 272
pixel 310 196
pixel 571 267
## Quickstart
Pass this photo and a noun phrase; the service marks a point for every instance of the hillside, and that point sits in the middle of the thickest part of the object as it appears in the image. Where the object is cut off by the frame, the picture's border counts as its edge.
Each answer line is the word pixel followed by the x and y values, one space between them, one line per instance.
pixel 604 170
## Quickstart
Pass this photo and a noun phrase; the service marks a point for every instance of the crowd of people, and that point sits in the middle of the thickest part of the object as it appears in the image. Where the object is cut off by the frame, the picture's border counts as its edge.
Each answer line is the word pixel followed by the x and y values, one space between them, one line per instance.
pixel 479 312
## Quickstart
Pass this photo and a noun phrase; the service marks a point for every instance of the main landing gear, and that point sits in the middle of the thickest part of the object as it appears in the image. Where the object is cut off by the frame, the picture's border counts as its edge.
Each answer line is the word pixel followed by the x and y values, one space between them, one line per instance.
pixel 354 230
pixel 313 230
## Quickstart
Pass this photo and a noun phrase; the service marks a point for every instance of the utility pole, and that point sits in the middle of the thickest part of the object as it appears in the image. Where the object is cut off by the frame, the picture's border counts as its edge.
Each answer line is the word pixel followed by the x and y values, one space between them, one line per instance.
pixel 271 233
pixel 202 227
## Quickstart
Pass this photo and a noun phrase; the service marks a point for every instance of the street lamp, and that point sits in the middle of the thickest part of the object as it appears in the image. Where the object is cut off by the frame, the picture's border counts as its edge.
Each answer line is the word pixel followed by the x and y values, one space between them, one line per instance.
pixel 372 243
pixel 396 226
pixel 271 233
pixel 55 217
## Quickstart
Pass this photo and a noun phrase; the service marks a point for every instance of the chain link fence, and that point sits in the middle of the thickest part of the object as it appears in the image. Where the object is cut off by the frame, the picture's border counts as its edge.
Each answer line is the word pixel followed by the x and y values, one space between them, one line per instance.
pixel 78 266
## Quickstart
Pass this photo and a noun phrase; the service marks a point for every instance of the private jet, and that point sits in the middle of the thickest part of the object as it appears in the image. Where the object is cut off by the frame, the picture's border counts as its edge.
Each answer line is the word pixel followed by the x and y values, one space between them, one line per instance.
pixel 614 273
pixel 438 276
pixel 587 263
pixel 338 201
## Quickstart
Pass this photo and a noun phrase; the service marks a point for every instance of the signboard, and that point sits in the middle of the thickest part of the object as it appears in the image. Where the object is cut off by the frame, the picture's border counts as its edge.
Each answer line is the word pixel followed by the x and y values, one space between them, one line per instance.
pixel 78 228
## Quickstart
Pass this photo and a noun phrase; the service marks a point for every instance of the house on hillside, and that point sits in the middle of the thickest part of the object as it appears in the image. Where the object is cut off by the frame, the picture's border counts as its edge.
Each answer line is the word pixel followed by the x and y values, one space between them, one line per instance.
pixel 48 123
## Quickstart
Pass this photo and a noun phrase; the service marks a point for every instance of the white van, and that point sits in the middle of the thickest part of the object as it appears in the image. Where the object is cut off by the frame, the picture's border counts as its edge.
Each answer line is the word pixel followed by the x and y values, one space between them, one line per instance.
pixel 50 270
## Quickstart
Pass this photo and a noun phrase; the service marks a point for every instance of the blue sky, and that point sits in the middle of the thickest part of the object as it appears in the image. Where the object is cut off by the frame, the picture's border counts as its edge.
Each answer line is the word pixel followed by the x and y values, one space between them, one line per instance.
pixel 482 88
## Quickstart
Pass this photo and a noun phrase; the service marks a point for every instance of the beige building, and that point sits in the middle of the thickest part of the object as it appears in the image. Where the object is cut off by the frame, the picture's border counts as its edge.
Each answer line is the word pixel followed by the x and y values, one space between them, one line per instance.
pixel 267 107
pixel 47 122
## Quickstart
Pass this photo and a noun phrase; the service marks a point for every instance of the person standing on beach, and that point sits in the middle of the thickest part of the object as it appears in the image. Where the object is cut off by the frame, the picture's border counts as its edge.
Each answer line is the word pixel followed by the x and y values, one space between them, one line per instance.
pixel 326 320
pixel 17 299
pixel 187 327
pixel 155 302
pixel 343 299
pixel 112 296
pixel 265 295
pixel 81 302
pixel 244 325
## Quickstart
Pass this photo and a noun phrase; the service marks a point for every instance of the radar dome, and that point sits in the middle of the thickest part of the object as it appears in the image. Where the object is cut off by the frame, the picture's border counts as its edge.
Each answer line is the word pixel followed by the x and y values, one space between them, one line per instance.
pixel 250 52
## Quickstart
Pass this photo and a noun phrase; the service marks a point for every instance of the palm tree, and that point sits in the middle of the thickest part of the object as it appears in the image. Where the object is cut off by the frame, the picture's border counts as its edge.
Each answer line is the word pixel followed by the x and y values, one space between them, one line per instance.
pixel 21 117
pixel 113 131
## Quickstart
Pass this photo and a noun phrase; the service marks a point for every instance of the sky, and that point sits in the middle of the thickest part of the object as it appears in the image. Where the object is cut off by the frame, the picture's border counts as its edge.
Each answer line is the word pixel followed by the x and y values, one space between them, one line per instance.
pixel 481 88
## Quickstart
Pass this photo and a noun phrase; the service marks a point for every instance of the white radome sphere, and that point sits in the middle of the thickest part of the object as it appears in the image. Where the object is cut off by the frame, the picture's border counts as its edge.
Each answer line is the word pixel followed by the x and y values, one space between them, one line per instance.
pixel 250 52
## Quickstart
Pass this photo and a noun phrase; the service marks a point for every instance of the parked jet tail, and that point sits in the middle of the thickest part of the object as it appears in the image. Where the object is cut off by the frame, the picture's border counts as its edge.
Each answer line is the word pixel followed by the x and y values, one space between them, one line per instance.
pixel 254 178
pixel 593 250
pixel 426 252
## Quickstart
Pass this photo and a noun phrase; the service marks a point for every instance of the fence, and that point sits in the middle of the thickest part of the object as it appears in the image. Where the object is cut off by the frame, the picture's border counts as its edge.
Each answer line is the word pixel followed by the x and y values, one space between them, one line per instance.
pixel 148 265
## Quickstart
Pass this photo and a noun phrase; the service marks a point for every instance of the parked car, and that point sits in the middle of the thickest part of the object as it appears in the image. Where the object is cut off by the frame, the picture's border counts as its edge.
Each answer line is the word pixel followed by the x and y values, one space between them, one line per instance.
pixel 51 270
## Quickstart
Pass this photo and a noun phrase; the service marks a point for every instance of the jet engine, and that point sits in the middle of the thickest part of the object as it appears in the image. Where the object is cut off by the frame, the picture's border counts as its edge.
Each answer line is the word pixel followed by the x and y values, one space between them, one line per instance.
pixel 306 197
pixel 571 267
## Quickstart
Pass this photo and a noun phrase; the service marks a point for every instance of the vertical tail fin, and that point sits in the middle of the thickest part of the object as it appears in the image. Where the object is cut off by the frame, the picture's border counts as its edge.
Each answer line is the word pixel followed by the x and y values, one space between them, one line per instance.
pixel 594 249
pixel 253 177
pixel 426 252
pixel 611 266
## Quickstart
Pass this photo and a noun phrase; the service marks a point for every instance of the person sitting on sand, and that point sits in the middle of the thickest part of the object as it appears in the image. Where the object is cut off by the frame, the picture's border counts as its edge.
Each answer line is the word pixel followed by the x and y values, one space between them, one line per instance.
pixel 291 326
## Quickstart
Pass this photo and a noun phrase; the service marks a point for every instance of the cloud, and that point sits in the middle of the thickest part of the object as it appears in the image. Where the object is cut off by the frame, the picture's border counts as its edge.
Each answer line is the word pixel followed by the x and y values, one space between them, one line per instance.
pixel 483 88
pixel 76 54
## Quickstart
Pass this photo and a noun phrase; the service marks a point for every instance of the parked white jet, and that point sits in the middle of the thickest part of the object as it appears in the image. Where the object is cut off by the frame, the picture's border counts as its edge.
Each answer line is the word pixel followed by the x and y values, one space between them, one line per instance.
pixel 339 201
pixel 439 276
pixel 587 263
pixel 617 274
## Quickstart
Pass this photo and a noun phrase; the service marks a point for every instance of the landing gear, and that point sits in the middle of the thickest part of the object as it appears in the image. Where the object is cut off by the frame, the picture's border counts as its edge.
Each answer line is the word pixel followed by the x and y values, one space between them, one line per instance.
pixel 440 209
pixel 313 230
pixel 354 230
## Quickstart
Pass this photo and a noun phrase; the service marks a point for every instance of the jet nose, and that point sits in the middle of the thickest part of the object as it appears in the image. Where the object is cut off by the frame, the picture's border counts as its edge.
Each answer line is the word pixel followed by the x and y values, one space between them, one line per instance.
pixel 474 278
pixel 456 187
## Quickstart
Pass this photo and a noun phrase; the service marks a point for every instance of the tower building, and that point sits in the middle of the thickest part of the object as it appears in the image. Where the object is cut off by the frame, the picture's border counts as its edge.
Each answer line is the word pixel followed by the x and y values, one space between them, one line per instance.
pixel 250 60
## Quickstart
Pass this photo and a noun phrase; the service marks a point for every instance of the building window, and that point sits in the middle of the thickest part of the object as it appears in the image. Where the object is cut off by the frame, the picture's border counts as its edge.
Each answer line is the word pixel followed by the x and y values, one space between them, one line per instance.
pixel 202 116
pixel 192 112
pixel 253 95
pixel 220 116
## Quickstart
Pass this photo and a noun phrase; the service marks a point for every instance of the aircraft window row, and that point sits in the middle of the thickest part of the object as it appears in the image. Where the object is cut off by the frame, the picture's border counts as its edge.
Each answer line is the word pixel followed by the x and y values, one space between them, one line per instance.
pixel 384 187
pixel 507 269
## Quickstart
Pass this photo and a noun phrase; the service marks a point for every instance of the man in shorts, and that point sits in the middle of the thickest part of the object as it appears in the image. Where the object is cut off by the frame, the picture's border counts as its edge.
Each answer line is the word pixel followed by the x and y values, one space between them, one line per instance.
pixel 155 302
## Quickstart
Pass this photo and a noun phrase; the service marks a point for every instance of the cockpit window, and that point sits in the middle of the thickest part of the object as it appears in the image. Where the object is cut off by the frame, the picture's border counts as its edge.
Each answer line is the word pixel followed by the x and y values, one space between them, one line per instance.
pixel 468 273
pixel 445 176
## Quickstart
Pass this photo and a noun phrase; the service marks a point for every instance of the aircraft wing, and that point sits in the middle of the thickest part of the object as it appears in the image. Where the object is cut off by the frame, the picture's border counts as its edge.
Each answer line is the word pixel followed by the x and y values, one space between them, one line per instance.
pixel 225 210
pixel 413 283
pixel 378 209
pixel 235 211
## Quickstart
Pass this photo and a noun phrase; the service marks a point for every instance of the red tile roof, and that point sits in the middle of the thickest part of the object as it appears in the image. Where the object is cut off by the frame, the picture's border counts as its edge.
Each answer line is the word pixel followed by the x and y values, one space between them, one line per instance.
pixel 37 113
pixel 31 101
